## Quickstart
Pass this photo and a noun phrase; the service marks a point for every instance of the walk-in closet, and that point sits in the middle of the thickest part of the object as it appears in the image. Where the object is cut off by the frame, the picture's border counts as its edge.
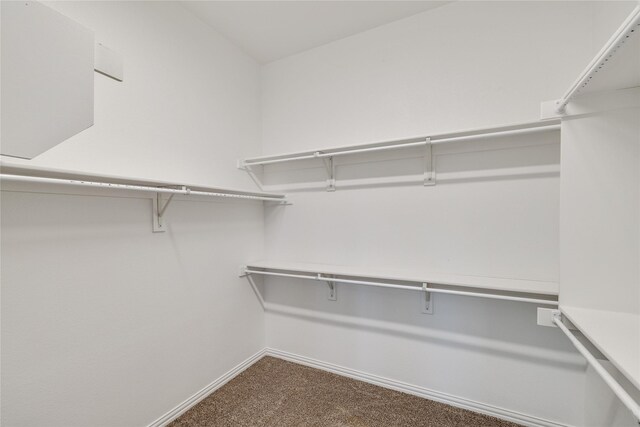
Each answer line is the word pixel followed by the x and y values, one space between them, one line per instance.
pixel 320 213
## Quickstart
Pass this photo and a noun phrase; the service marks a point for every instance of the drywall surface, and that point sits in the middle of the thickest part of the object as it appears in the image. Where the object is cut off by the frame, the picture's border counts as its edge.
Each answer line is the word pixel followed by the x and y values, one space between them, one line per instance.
pixel 600 230
pixel 600 216
pixel 493 212
pixel 105 323
pixel 49 65
pixel 459 66
pixel 186 110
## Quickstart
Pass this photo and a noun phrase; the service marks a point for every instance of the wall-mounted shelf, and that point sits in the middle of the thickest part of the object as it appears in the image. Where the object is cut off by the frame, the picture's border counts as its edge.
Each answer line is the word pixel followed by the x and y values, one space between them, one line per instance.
pixel 50 176
pixel 327 154
pixel 615 66
pixel 615 334
pixel 532 291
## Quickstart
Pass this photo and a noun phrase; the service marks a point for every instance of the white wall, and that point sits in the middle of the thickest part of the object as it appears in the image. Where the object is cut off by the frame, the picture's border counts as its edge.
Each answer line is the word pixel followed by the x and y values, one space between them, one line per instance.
pixel 103 322
pixel 186 110
pixel 600 217
pixel 494 211
pixel 600 230
pixel 463 65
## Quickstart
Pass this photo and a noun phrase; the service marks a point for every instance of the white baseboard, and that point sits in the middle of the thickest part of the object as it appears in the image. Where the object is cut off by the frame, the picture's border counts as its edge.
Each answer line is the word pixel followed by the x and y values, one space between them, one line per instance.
pixel 193 400
pixel 458 402
pixel 425 393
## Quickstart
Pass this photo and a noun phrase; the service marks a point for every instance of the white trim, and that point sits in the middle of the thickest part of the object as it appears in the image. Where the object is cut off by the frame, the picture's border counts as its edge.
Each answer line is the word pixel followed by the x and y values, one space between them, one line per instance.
pixel 215 385
pixel 458 402
pixel 425 393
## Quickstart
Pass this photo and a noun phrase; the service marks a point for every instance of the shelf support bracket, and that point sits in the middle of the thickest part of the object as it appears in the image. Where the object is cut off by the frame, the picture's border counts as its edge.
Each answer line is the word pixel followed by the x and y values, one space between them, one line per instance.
pixel 247 168
pixel 331 172
pixel 332 294
pixel 427 307
pixel 429 169
pixel 159 208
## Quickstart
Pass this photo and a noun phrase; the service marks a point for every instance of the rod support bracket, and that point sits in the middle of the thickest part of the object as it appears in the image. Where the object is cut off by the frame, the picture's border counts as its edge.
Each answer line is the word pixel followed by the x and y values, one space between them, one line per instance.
pixel 243 271
pixel 159 208
pixel 429 166
pixel 545 316
pixel 244 166
pixel 427 307
pixel 332 291
pixel 331 171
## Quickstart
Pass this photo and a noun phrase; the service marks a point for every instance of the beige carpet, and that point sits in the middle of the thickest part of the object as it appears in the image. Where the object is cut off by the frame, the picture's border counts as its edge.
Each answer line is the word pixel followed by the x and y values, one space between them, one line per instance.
pixel 274 392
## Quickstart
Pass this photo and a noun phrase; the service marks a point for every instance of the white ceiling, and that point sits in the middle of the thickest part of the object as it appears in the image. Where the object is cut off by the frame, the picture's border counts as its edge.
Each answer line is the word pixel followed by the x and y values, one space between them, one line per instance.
pixel 270 30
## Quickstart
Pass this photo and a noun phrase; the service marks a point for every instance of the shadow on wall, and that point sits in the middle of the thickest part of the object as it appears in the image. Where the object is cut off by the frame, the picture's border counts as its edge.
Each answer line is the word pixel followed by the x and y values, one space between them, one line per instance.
pixel 464 323
pixel 475 344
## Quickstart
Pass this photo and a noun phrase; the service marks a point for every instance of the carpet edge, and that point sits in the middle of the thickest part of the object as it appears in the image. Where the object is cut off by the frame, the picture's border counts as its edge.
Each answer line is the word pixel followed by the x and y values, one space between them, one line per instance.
pixel 458 402
pixel 207 390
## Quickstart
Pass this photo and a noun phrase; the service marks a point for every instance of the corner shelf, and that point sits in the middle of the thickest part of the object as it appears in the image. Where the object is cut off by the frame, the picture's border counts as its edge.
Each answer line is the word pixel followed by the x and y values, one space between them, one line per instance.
pixel 615 334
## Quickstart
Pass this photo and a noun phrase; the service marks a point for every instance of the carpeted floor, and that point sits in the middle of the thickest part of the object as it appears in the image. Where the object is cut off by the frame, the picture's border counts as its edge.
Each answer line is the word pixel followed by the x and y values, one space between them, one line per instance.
pixel 274 392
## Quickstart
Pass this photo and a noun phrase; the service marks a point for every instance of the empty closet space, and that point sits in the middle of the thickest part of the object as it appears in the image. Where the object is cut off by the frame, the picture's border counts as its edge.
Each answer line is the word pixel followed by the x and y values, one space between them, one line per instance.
pixel 309 213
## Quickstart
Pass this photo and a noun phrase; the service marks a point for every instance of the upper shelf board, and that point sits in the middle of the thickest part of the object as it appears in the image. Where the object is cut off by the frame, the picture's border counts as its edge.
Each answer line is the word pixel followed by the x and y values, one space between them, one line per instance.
pixel 480 282
pixel 621 71
pixel 42 172
pixel 615 334
pixel 615 66
pixel 496 131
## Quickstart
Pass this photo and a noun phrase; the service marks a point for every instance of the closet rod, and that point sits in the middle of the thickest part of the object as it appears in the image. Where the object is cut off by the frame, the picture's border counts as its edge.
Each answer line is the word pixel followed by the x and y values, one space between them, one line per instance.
pixel 438 140
pixel 631 24
pixel 320 154
pixel 131 187
pixel 615 386
pixel 405 143
pixel 423 288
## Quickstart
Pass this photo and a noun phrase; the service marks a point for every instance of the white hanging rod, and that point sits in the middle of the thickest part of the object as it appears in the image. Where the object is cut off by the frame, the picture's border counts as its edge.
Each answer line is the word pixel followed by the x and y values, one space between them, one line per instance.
pixel 526 128
pixel 438 140
pixel 319 154
pixel 630 25
pixel 493 296
pixel 617 389
pixel 423 288
pixel 131 187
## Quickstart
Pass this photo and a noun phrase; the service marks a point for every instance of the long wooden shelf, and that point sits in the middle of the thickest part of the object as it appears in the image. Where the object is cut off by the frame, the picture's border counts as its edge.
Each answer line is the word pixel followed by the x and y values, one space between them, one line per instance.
pixel 615 334
pixel 500 284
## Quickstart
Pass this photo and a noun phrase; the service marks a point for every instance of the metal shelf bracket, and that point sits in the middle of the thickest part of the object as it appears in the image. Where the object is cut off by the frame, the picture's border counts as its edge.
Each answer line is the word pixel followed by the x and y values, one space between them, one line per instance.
pixel 159 208
pixel 331 171
pixel 429 169
pixel 332 294
pixel 427 307
pixel 252 174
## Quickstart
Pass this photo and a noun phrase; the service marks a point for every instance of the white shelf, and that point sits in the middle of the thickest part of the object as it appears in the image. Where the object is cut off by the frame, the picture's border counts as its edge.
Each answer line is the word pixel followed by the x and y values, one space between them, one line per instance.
pixel 126 183
pixel 615 334
pixel 622 70
pixel 469 134
pixel 48 176
pixel 615 66
pixel 500 284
